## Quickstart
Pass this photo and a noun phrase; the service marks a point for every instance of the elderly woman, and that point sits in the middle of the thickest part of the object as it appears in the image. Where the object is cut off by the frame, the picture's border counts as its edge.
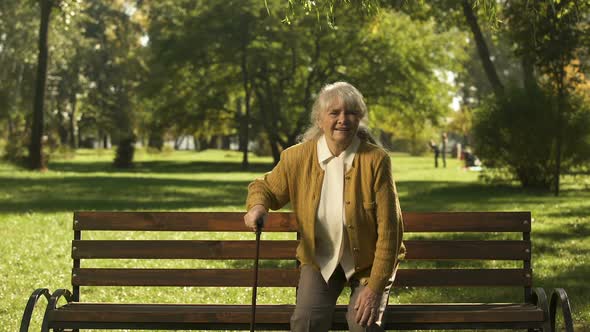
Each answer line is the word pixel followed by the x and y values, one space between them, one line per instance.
pixel 341 189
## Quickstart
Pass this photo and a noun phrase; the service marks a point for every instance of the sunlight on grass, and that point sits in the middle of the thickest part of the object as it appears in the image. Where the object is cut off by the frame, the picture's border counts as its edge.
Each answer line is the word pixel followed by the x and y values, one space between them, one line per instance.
pixel 36 222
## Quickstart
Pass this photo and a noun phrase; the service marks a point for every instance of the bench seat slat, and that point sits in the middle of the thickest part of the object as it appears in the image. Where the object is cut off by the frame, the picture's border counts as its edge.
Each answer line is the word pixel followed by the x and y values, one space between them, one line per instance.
pixel 289 277
pixel 402 313
pixel 196 249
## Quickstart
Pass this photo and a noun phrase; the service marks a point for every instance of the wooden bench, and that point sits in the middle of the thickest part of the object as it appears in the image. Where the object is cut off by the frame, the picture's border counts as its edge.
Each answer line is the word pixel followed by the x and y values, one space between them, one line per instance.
pixel 445 257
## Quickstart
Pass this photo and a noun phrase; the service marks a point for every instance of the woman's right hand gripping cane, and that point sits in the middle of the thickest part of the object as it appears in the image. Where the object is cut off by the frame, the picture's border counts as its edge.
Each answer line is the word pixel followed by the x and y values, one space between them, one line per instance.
pixel 255 213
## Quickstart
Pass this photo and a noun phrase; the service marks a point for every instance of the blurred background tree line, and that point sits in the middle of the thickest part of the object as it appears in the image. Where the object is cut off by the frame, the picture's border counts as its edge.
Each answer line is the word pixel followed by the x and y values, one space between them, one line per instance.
pixel 504 77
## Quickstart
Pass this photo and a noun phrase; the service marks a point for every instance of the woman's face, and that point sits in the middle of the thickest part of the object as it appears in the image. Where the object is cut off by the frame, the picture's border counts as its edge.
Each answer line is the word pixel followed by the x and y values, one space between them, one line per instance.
pixel 339 124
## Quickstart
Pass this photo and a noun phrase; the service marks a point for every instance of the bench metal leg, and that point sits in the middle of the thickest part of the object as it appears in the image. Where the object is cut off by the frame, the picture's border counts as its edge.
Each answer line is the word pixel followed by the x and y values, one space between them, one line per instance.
pixel 540 300
pixel 27 315
pixel 559 296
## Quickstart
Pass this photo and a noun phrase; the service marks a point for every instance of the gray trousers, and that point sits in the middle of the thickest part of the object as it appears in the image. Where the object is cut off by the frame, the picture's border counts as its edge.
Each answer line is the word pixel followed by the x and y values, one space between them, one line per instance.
pixel 316 301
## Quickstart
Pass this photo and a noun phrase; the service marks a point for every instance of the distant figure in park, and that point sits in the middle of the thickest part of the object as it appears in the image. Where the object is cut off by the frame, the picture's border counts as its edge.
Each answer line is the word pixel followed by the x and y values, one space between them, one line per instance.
pixel 436 151
pixel 342 191
pixel 443 149
pixel 471 160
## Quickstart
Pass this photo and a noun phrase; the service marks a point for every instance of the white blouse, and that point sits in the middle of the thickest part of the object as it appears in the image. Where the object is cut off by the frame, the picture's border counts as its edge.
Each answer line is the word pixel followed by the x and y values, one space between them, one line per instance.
pixel 332 245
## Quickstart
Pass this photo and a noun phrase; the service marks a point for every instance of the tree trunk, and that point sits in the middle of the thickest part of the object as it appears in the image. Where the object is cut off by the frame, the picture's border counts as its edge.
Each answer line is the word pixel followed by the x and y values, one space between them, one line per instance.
pixel 239 119
pixel 245 120
pixel 559 133
pixel 214 142
pixel 482 49
pixel 274 148
pixel 36 161
pixel 10 128
pixel 528 74
pixel 225 142
pixel 413 141
pixel 178 142
pixel 62 128
pixel 200 143
pixel 79 136
pixel 72 125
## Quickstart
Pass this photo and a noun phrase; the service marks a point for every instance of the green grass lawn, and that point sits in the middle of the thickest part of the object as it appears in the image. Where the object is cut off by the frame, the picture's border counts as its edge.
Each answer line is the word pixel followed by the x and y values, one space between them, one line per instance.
pixel 36 215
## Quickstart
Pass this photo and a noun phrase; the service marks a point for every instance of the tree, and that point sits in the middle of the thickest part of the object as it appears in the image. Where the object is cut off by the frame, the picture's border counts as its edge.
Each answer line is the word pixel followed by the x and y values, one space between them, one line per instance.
pixel 36 146
pixel 482 48
pixel 445 12
pixel 548 36
pixel 192 90
pixel 406 74
pixel 284 65
pixel 113 71
pixel 551 34
pixel 18 51
pixel 510 135
pixel 65 71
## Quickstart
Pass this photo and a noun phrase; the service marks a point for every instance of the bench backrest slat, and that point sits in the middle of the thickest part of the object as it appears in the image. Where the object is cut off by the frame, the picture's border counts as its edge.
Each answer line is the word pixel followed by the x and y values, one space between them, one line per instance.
pixel 182 249
pixel 467 222
pixel 285 222
pixel 285 249
pixel 467 250
pixel 289 277
pixel 185 277
pixel 178 221
pixel 462 277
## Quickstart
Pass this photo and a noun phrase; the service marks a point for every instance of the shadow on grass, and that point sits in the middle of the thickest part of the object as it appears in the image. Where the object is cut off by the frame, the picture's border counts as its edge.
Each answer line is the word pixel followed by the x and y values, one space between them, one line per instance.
pixel 119 193
pixel 141 192
pixel 577 212
pixel 573 280
pixel 157 167
pixel 453 196
pixel 134 189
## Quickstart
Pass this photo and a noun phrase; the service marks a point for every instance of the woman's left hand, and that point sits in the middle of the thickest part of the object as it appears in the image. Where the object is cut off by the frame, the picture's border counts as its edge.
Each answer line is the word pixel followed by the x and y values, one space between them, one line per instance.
pixel 367 307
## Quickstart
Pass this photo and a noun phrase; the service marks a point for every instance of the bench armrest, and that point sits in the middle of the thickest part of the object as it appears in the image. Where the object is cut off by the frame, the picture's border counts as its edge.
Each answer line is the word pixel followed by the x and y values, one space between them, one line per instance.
pixel 28 313
pixel 559 296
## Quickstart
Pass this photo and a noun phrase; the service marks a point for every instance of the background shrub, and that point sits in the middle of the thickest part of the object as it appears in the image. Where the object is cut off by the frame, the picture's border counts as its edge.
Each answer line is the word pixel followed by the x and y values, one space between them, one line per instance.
pixel 518 133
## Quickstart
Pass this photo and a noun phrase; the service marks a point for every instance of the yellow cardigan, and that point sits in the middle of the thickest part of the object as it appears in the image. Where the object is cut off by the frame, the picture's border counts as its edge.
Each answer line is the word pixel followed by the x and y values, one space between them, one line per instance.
pixel 373 215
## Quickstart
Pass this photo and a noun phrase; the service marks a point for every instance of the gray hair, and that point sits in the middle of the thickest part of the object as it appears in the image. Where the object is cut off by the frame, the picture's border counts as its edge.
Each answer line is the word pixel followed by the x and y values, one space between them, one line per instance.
pixel 352 100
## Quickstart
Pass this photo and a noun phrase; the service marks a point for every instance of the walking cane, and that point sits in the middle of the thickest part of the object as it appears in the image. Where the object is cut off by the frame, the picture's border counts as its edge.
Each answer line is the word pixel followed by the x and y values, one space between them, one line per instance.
pixel 259 224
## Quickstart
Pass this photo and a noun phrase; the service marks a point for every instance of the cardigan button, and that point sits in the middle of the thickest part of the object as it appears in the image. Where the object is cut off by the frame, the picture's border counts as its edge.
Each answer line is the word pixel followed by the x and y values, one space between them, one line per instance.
pixel 347 177
pixel 349 226
pixel 356 249
pixel 347 202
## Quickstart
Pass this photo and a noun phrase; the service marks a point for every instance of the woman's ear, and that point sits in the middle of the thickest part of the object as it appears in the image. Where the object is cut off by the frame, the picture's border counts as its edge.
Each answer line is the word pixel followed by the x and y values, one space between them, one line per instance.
pixel 318 121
